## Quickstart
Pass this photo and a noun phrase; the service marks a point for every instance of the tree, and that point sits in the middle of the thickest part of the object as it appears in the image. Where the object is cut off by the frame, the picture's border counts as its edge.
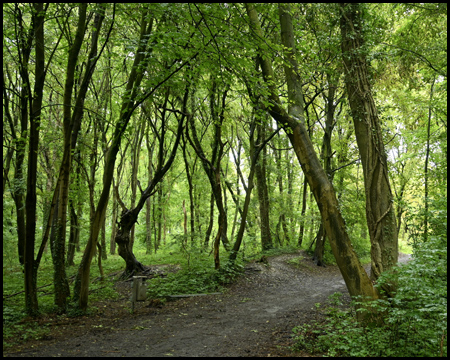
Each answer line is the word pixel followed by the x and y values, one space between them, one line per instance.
pixel 353 273
pixel 72 123
pixel 212 167
pixel 30 271
pixel 128 105
pixel 379 200
pixel 107 83
pixel 129 216
pixel 263 193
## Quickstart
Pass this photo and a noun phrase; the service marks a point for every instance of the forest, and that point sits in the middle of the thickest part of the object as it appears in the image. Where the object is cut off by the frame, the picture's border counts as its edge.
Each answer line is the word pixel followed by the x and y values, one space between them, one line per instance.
pixel 194 144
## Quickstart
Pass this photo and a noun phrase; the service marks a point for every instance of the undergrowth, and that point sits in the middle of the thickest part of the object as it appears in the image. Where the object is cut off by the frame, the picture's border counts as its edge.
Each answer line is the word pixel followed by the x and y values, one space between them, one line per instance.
pixel 413 321
pixel 197 279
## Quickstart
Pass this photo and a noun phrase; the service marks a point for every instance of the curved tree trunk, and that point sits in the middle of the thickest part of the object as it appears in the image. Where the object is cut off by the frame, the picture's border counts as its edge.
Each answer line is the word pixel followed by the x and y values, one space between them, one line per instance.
pixel 123 241
pixel 356 279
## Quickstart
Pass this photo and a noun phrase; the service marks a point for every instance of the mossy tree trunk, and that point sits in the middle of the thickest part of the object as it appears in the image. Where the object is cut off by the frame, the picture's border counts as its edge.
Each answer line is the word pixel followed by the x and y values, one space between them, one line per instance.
pixel 379 200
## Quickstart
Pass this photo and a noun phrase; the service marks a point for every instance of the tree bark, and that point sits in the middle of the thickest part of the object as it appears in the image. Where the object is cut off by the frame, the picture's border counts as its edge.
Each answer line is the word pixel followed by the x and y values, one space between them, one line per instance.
pixel 379 210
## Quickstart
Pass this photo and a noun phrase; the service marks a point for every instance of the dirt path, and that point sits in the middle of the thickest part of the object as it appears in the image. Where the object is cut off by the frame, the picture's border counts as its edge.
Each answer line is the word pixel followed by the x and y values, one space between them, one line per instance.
pixel 253 318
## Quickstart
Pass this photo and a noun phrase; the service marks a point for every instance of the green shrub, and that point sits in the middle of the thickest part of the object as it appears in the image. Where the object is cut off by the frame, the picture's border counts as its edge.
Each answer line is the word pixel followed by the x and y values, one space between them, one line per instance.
pixel 197 279
pixel 414 321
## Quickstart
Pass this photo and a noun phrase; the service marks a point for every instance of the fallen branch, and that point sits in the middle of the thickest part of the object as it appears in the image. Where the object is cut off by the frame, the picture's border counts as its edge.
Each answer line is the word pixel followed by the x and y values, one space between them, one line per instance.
pixel 40 287
pixel 191 295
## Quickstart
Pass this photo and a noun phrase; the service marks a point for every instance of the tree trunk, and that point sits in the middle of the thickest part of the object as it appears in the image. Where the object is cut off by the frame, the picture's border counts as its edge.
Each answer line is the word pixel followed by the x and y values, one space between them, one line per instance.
pixel 263 195
pixel 356 279
pixel 135 154
pixel 248 191
pixel 127 221
pixel 379 210
pixel 18 193
pixel 112 243
pixel 30 266
pixel 427 157
pixel 191 190
pixel 326 155
pixel 303 212
pixel 282 217
pixel 210 223
pixel 320 245
pixel 74 230
pixel 148 223
pixel 25 41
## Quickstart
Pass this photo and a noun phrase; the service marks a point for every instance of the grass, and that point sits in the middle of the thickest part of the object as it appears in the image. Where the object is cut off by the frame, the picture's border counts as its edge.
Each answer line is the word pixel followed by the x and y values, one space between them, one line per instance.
pixel 197 275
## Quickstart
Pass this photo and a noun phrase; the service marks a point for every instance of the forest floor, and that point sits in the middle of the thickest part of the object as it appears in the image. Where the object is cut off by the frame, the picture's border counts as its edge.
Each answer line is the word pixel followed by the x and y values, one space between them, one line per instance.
pixel 253 317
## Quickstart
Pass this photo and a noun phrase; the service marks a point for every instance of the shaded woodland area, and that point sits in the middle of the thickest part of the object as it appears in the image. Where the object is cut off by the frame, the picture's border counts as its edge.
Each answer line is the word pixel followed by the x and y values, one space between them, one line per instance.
pixel 221 131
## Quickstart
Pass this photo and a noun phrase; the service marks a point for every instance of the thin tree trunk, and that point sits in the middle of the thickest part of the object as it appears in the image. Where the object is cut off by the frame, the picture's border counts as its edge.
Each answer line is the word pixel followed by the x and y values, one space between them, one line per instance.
pixel 112 243
pixel 248 192
pixel 135 153
pixel 320 245
pixel 19 191
pixel 303 212
pixel 148 223
pixel 326 155
pixel 210 223
pixel 191 189
pixel 427 156
pixel 282 217
pixel 74 228
pixel 30 266
pixel 263 195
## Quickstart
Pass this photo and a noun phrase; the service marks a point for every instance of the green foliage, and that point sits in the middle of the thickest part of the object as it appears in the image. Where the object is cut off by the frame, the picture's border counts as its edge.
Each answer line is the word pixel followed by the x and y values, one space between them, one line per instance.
pixel 197 279
pixel 412 323
pixel 437 220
